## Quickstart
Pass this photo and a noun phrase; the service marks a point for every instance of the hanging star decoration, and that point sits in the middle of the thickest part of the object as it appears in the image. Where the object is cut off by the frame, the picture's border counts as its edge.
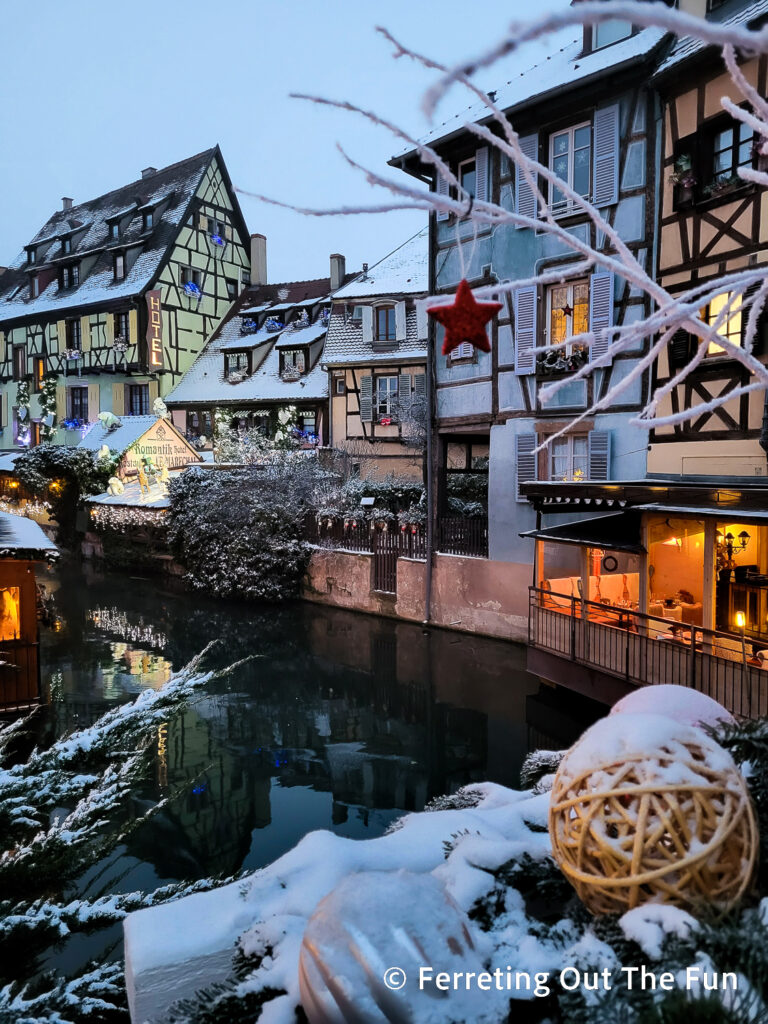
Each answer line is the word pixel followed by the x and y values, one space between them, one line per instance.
pixel 465 320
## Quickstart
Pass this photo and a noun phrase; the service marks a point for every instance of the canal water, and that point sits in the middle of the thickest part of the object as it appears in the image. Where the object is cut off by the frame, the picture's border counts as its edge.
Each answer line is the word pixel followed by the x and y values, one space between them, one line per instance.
pixel 341 721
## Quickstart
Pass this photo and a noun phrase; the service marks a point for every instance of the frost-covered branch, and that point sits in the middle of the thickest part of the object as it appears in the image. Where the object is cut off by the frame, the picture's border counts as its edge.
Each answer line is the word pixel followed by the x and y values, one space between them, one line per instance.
pixel 742 293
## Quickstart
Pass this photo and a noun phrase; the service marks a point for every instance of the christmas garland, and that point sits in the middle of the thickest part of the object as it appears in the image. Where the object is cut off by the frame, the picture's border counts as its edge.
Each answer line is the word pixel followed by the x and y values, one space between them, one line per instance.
pixel 48 407
pixel 22 412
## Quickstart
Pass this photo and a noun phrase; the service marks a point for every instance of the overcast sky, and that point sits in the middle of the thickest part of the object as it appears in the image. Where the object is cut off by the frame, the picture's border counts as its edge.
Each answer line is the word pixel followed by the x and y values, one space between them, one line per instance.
pixel 93 91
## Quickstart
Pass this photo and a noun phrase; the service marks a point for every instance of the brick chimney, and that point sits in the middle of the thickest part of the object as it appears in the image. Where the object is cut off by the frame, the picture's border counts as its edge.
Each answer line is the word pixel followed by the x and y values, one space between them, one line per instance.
pixel 66 203
pixel 258 259
pixel 148 172
pixel 338 270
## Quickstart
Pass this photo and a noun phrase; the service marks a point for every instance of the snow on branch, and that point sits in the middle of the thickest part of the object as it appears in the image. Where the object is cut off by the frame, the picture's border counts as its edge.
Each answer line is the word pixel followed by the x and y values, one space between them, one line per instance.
pixel 741 293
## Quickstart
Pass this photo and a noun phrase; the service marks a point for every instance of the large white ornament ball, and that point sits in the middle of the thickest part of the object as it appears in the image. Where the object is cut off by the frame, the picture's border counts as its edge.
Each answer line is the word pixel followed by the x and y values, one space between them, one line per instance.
pixel 366 941
pixel 644 809
pixel 683 704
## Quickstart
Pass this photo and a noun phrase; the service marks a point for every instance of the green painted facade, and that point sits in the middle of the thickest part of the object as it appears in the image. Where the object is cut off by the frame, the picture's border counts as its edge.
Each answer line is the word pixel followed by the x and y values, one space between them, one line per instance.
pixel 111 378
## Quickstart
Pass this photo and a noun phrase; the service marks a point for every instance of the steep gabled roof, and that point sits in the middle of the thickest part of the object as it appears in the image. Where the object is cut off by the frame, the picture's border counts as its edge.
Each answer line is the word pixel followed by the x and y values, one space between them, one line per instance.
pixel 402 272
pixel 686 48
pixel 565 68
pixel 170 189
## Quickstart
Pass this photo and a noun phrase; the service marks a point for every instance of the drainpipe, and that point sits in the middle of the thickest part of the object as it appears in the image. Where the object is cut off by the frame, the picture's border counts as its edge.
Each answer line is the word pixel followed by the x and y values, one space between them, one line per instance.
pixel 430 422
pixel 764 431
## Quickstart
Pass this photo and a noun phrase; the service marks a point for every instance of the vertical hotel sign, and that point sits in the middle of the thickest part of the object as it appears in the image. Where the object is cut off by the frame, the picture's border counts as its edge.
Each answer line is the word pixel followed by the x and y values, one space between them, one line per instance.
pixel 154 330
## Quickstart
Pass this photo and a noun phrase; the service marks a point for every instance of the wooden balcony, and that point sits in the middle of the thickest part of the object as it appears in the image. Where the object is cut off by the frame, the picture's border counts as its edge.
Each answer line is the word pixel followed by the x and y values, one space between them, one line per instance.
pixel 606 651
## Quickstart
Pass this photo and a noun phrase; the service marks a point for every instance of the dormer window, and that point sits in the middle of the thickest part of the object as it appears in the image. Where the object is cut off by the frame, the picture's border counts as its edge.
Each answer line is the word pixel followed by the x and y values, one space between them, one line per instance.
pixel 114 230
pixel 384 329
pixel 119 266
pixel 31 255
pixel 34 286
pixel 293 363
pixel 609 32
pixel 66 245
pixel 237 365
pixel 70 276
pixel 147 220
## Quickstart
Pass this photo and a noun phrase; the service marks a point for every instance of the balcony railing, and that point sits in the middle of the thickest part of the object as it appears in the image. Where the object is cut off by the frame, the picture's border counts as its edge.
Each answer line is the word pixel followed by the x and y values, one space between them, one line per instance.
pixel 647 650
pixel 459 535
pixel 456 535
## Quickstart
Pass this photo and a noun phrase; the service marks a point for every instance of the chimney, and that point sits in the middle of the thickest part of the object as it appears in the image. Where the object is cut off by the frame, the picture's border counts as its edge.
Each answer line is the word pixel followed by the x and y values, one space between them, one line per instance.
pixel 66 203
pixel 338 270
pixel 258 259
pixel 148 172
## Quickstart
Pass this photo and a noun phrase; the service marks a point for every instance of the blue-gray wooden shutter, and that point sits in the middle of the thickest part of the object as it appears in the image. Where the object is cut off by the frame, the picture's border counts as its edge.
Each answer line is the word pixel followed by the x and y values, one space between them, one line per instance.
pixel 404 386
pixel 601 311
pixel 606 156
pixel 420 385
pixel 366 399
pixel 525 198
pixel 442 190
pixel 481 175
pixel 525 462
pixel 599 454
pixel 526 308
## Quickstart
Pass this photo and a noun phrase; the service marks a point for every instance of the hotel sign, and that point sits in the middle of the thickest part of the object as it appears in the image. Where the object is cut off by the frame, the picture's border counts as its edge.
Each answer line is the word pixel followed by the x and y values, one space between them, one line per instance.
pixel 155 330
pixel 163 445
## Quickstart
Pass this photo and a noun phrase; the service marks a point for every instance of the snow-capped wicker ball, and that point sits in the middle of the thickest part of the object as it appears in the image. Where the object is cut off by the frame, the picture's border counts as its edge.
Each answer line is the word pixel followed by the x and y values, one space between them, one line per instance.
pixel 685 705
pixel 644 809
pixel 365 943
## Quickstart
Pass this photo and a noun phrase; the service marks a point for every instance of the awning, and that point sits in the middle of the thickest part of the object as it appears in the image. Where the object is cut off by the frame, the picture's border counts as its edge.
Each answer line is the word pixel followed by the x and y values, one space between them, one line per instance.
pixel 618 531
pixel 723 512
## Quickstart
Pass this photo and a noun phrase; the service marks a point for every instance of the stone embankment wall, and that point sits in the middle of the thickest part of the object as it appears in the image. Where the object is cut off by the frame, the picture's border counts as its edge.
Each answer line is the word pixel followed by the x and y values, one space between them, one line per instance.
pixel 471 594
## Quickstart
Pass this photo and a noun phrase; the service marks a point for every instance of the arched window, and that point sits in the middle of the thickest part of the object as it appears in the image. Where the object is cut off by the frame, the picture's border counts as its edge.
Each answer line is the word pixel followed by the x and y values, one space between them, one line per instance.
pixel 384 323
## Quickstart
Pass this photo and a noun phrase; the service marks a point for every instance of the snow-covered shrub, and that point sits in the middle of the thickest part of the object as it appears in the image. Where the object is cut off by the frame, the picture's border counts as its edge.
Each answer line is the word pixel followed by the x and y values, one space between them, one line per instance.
pixel 74 474
pixel 239 532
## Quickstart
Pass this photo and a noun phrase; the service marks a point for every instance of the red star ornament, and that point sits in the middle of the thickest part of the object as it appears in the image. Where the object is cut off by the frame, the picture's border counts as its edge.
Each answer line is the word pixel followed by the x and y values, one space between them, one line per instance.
pixel 465 320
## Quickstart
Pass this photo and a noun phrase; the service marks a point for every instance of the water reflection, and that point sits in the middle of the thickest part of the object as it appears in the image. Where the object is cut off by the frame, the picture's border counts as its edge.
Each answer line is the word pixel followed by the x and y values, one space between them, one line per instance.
pixel 342 721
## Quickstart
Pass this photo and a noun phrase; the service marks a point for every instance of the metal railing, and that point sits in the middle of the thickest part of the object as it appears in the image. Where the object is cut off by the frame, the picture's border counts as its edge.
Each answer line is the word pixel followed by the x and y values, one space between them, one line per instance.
pixel 645 649
pixel 459 535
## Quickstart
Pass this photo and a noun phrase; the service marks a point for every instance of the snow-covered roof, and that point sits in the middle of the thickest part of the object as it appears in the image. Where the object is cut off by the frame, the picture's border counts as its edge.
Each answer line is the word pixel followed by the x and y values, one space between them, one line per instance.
pixel 304 336
pixel 23 538
pixel 175 185
pixel 132 495
pixel 345 346
pixel 564 68
pixel 7 461
pixel 688 47
pixel 120 438
pixel 402 272
pixel 205 381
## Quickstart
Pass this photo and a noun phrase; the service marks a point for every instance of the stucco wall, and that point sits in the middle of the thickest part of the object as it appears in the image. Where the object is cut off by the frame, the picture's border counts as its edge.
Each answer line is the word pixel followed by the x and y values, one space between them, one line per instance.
pixel 474 595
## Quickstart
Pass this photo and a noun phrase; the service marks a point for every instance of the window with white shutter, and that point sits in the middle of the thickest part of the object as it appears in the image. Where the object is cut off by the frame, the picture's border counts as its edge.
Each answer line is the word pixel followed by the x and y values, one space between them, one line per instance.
pixel 601 311
pixel 400 321
pixel 606 156
pixel 525 461
pixel 442 190
pixel 599 455
pixel 466 350
pixel 367 313
pixel 482 190
pixel 525 198
pixel 366 399
pixel 526 300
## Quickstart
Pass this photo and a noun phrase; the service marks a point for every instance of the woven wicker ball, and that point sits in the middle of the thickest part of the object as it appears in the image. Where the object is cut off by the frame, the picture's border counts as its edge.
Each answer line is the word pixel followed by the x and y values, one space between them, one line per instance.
pixel 644 809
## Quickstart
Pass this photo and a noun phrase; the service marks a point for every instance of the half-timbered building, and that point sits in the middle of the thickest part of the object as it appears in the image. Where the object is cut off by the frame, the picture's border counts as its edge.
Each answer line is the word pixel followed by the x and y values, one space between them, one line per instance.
pixel 599 137
pixel 262 367
pixel 111 301
pixel 376 354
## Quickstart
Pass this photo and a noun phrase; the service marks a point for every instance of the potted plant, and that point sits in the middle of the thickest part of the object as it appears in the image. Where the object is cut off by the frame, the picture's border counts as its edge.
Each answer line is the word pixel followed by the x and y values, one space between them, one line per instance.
pixel 684 180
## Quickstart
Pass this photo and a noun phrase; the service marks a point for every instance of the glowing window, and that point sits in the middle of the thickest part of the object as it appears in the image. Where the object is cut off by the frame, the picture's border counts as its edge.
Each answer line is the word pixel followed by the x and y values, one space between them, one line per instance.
pixel 10 618
pixel 728 321
pixel 568 312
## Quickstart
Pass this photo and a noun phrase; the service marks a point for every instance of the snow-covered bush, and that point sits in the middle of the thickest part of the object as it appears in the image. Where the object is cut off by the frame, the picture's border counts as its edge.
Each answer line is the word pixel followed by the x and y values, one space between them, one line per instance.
pixel 239 532
pixel 63 476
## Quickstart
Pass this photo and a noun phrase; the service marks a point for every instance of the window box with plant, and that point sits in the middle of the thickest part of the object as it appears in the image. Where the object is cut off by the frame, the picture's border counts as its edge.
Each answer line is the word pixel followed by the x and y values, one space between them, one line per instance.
pixel 684 179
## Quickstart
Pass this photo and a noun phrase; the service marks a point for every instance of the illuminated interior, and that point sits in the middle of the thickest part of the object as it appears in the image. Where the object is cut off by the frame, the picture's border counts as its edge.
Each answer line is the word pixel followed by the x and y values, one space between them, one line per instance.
pixel 730 326
pixel 676 569
pixel 741 587
pixel 613 577
pixel 10 613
